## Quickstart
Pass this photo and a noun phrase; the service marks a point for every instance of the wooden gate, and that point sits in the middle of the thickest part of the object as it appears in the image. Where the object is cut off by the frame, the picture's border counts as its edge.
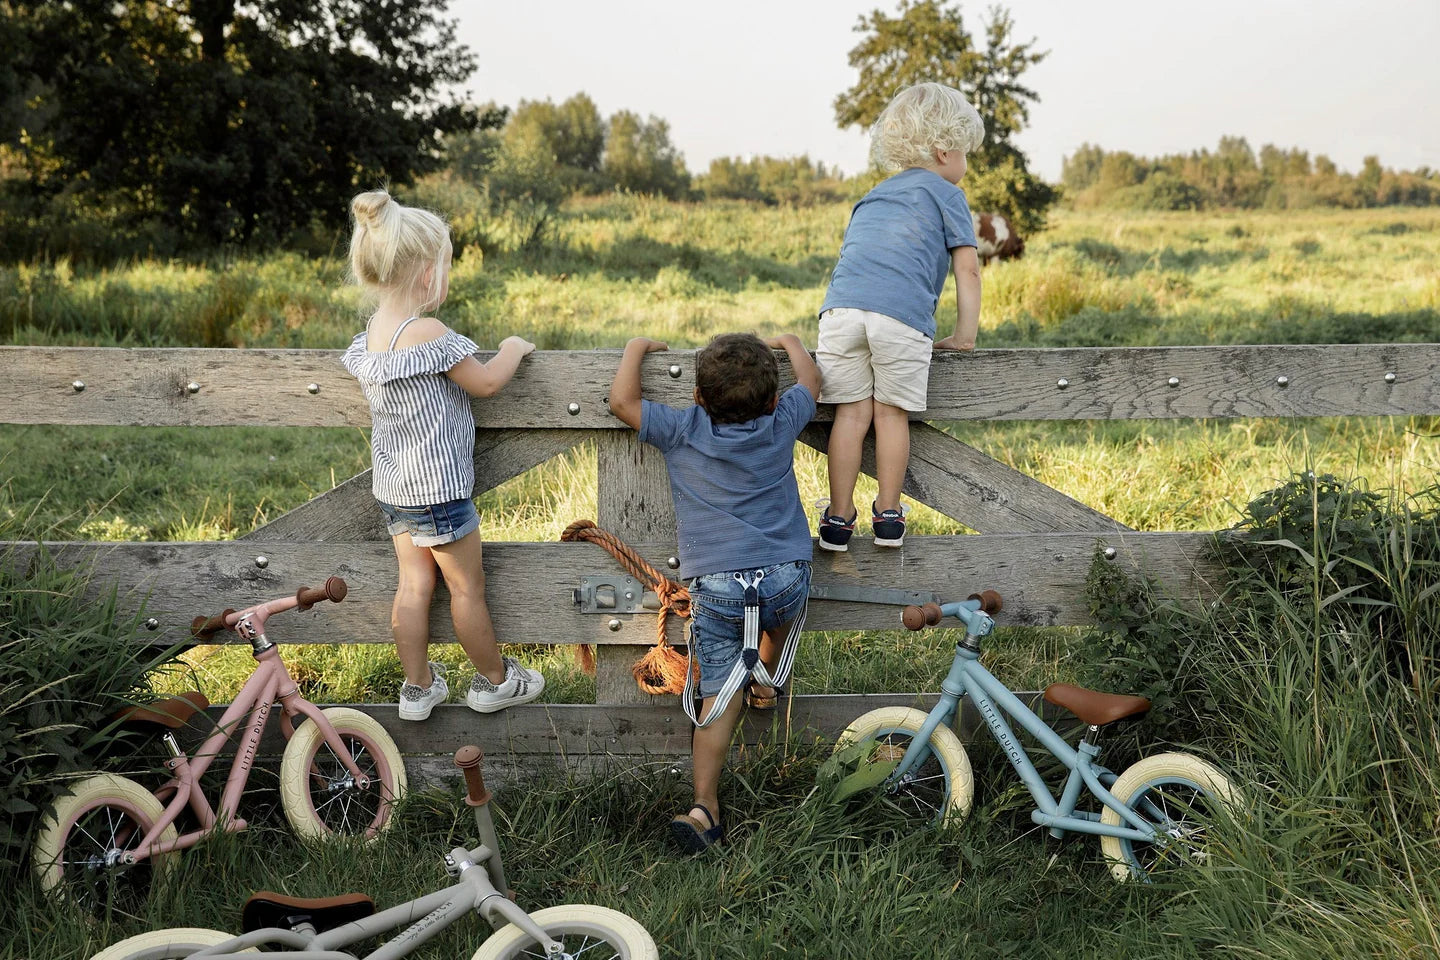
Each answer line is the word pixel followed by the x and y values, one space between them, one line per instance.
pixel 1033 544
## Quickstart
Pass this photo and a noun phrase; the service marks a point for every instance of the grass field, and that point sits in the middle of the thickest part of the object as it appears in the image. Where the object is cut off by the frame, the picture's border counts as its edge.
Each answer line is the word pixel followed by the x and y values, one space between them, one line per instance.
pixel 1341 860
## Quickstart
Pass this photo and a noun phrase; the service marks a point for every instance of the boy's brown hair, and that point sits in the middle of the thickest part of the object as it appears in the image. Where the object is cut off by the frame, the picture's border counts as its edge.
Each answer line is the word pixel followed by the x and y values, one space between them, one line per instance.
pixel 737 378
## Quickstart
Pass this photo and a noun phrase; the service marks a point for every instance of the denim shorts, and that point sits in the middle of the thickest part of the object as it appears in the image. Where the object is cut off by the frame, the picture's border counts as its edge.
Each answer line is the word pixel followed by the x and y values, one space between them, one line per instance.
pixel 717 615
pixel 432 526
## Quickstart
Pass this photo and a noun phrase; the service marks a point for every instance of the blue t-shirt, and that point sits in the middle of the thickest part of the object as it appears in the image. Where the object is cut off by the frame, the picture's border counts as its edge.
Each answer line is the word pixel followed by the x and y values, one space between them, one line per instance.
pixel 896 252
pixel 736 503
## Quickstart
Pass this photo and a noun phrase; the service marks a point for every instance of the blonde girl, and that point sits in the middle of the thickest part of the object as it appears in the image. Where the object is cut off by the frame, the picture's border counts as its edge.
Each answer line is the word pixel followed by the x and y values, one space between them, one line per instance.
pixel 418 376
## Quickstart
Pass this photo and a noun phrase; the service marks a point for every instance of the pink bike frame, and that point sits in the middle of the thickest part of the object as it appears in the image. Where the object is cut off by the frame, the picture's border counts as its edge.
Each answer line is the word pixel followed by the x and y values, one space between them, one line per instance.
pixel 270 682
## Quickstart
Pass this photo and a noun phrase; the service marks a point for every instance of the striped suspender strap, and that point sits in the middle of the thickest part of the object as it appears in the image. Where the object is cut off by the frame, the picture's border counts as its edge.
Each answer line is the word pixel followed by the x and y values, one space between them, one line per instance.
pixel 749 665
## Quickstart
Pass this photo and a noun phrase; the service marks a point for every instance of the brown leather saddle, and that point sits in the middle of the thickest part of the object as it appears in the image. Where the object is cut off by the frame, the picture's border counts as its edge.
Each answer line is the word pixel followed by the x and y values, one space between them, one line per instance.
pixel 1096 709
pixel 171 714
pixel 265 909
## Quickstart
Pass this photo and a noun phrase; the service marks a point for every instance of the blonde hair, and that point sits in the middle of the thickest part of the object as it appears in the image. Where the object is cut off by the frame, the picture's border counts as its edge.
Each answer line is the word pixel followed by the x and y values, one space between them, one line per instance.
pixel 920 120
pixel 392 245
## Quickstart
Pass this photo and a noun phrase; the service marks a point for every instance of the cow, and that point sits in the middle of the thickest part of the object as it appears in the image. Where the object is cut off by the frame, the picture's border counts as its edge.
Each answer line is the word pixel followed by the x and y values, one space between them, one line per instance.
pixel 997 239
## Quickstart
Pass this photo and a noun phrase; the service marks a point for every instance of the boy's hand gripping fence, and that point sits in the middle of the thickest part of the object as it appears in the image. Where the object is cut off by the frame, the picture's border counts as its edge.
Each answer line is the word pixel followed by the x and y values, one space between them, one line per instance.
pixel 662 669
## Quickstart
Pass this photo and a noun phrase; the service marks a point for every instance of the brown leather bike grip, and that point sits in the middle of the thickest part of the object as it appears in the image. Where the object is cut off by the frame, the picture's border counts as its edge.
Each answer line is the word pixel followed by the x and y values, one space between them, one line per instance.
pixel 468 759
pixel 990 601
pixel 334 590
pixel 203 628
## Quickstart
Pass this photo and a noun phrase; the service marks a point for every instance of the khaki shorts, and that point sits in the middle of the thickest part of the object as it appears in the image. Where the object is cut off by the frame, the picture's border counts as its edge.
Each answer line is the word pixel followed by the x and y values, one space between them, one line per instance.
pixel 864 354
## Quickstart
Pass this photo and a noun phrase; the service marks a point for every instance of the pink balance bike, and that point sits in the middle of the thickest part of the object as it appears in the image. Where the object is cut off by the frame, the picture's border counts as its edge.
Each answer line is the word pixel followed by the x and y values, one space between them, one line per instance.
pixel 107 841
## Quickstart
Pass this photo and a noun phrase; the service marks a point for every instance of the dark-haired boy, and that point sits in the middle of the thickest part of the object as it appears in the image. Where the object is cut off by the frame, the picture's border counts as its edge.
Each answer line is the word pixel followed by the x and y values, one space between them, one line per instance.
pixel 740 523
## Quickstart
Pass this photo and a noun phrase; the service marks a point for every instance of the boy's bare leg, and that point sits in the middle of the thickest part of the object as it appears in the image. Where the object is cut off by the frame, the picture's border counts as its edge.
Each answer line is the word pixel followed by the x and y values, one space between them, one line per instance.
pixel 847 443
pixel 410 613
pixel 708 751
pixel 460 562
pixel 892 453
pixel 712 743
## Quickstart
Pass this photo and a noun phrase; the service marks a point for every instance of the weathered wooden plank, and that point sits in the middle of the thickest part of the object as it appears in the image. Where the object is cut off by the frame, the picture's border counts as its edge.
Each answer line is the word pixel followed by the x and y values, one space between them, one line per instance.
pixel 1041 577
pixel 632 502
pixel 348 511
pixel 584 730
pixel 269 387
pixel 979 491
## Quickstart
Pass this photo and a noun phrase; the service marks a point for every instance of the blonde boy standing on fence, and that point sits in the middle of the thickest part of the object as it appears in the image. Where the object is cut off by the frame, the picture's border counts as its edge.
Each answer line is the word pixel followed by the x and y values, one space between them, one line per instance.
pixel 877 324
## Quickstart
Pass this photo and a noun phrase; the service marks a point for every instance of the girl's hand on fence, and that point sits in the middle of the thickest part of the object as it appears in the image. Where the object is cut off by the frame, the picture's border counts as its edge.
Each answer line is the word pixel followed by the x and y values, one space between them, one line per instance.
pixel 953 343
pixel 518 343
pixel 651 346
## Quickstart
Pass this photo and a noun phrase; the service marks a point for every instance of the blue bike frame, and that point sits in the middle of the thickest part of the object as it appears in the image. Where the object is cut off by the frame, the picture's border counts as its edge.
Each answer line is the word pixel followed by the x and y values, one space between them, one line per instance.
pixel 995 701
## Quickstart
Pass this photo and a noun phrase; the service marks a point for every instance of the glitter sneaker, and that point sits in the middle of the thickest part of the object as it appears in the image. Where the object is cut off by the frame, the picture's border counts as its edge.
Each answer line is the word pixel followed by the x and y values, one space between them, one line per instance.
pixel 521 685
pixel 889 526
pixel 416 702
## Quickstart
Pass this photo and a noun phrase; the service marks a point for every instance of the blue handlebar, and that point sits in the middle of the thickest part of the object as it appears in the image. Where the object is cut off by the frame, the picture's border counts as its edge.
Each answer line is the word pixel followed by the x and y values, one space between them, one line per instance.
pixel 977 622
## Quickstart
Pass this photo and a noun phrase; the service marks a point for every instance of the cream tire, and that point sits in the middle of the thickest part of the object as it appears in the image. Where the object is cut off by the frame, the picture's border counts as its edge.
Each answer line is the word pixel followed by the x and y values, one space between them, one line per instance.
pixel 165 944
pixel 627 938
pixel 959 791
pixel 1186 773
pixel 89 795
pixel 308 762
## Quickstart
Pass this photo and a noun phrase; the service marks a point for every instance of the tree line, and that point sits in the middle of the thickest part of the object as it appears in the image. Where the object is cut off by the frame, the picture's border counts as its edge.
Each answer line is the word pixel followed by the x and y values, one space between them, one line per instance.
pixel 1234 175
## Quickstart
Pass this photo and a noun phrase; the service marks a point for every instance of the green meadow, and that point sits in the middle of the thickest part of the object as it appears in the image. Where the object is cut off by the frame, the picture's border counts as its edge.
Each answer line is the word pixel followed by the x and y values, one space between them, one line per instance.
pixel 1335 854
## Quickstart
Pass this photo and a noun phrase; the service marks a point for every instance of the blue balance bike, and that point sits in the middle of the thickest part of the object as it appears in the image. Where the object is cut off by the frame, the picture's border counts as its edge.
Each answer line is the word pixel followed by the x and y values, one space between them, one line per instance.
pixel 1155 813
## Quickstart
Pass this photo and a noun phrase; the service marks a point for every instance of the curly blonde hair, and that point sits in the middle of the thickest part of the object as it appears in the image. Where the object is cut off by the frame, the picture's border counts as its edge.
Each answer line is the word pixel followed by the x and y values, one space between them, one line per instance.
pixel 393 244
pixel 920 120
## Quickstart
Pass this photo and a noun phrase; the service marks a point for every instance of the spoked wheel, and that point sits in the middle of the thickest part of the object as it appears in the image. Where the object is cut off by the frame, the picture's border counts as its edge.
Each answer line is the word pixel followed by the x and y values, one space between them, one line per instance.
pixel 1176 792
pixel 80 851
pixel 585 932
pixel 939 789
pixel 320 796
pixel 165 944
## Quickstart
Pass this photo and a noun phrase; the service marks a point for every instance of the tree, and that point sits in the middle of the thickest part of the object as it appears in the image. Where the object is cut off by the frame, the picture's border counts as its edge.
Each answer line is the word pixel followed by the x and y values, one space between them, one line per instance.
pixel 928 41
pixel 571 133
pixel 640 157
pixel 233 122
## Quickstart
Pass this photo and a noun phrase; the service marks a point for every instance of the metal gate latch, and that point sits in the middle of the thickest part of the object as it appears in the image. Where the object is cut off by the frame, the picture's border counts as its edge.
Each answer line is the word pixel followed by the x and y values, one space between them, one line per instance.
pixel 612 594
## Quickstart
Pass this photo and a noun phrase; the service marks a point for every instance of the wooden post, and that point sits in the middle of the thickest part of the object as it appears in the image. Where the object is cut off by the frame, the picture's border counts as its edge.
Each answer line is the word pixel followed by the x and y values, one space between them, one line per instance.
pixel 633 502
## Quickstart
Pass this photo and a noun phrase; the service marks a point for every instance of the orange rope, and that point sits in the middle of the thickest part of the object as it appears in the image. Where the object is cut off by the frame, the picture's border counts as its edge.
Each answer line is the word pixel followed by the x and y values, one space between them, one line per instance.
pixel 662 669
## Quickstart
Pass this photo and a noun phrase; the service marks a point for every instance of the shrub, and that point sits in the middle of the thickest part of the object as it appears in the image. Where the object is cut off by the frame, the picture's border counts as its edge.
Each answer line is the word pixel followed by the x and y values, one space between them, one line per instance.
pixel 69 662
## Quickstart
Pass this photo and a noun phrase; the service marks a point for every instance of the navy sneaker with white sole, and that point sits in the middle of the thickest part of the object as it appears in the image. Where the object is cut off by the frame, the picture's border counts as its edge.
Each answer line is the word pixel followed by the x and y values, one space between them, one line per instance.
pixel 889 526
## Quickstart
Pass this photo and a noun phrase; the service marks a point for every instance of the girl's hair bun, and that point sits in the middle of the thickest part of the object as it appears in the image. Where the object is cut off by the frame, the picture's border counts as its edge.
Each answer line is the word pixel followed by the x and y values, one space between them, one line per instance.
pixel 393 244
pixel 367 208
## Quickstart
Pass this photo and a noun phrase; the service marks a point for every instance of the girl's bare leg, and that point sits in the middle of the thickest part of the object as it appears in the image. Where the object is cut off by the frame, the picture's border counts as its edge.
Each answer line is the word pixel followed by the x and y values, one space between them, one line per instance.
pixel 460 564
pixel 410 613
pixel 847 443
pixel 892 453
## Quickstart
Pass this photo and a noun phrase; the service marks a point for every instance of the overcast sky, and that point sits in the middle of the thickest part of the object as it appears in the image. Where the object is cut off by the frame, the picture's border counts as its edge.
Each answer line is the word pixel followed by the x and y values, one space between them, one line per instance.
pixel 1337 77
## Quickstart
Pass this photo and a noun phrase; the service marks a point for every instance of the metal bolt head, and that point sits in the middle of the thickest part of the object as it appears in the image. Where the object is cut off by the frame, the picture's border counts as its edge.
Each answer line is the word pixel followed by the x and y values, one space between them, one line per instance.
pixel 614 626
pixel 262 562
pixel 1173 381
pixel 675 371
pixel 192 387
pixel 152 624
pixel 673 563
pixel 313 388
pixel 78 386
pixel 1390 377
pixel 1109 553
pixel 1062 383
pixel 573 408
pixel 1282 381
